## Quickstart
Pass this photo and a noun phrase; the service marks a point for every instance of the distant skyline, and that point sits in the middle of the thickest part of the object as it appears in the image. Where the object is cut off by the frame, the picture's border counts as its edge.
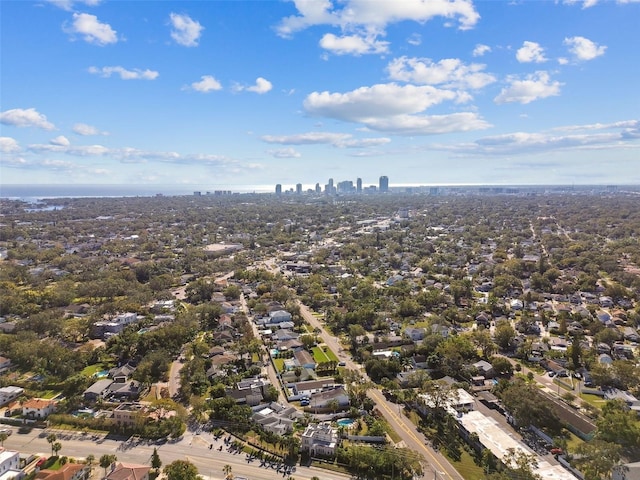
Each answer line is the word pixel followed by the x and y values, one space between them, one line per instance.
pixel 232 93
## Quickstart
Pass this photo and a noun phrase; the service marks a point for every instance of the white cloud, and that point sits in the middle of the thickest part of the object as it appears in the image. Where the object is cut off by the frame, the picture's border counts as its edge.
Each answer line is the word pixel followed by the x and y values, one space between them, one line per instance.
pixel 87 130
pixel 29 117
pixel 206 84
pixel 262 86
pixel 68 5
pixel 582 137
pixel 530 52
pixel 534 87
pixel 92 30
pixel 449 72
pixel 9 145
pixel 185 31
pixel 585 3
pixel 415 39
pixel 351 15
pixel 584 49
pixel 340 140
pixel 135 74
pixel 353 44
pixel 563 60
pixel 60 140
pixel 284 153
pixel 393 108
pixel 480 50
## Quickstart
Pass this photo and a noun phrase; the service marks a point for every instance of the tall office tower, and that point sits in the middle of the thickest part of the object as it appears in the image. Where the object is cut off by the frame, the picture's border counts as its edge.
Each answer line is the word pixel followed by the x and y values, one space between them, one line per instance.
pixel 299 189
pixel 278 189
pixel 384 184
pixel 359 185
pixel 318 188
pixel 329 188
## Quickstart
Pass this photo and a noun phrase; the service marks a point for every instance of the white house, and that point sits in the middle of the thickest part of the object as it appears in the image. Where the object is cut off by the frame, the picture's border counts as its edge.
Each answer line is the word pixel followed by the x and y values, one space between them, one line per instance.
pixel 320 440
pixel 38 408
pixel 8 394
pixel 10 464
pixel 279 316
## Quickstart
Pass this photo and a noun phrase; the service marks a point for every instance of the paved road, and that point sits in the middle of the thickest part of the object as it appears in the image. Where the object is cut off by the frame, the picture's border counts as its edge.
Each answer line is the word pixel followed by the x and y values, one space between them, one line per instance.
pixel 396 418
pixel 194 448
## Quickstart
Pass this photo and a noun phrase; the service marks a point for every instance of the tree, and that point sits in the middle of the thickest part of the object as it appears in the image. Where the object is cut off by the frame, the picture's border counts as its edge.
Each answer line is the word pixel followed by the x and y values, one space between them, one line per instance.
pixel 51 439
pixel 181 470
pixel 3 437
pixel 618 424
pixel 156 463
pixel 596 459
pixel 55 448
pixel 90 459
pixel 227 470
pixel 504 334
pixel 106 461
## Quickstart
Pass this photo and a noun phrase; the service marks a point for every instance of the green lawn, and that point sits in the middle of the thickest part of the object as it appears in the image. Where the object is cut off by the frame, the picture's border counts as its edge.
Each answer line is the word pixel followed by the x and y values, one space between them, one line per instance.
pixel 466 466
pixel 91 370
pixel 320 356
pixel 279 363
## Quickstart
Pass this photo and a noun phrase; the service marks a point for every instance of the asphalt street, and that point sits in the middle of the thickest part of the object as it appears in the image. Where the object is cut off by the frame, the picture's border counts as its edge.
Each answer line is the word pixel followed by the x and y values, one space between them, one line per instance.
pixel 192 447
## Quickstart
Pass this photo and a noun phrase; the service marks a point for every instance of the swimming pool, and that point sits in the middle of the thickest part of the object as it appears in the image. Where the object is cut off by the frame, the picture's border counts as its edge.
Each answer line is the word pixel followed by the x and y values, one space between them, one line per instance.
pixel 346 422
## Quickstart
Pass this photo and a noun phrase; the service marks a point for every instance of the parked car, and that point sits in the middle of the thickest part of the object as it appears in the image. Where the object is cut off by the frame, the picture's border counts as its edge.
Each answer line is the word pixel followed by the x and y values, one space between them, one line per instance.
pixel 556 451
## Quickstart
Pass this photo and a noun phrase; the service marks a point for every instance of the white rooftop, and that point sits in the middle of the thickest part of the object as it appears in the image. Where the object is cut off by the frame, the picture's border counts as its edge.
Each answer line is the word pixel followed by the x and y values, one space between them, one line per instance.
pixel 493 437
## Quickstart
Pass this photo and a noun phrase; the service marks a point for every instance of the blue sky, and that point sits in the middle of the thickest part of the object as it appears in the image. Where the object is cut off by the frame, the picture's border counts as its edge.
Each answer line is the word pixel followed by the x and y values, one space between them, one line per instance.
pixel 262 92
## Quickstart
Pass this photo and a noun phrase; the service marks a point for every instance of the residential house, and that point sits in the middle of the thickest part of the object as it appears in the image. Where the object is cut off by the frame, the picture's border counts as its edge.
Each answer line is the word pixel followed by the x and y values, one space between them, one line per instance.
pixel 324 400
pixel 99 390
pixel 485 369
pixel 129 471
pixel 68 471
pixel 10 465
pixel 10 393
pixel 39 408
pixel 305 359
pixel 5 364
pixel 283 335
pixel 126 414
pixel 320 440
pixel 278 316
pixel 123 389
pixel 415 334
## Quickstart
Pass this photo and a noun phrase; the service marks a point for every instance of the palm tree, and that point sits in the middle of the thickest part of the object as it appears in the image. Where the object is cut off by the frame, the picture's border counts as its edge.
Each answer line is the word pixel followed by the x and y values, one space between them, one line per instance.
pixel 106 460
pixel 228 475
pixel 3 437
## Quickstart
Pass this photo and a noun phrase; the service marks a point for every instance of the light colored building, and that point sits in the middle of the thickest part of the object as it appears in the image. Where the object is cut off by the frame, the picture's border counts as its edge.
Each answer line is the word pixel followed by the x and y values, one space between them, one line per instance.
pixel 10 393
pixel 320 440
pixel 38 408
pixel 127 413
pixel 10 465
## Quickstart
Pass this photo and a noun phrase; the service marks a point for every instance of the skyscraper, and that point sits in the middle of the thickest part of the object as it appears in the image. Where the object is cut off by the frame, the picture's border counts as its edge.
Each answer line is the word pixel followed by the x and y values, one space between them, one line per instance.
pixel 278 189
pixel 359 185
pixel 384 184
pixel 299 189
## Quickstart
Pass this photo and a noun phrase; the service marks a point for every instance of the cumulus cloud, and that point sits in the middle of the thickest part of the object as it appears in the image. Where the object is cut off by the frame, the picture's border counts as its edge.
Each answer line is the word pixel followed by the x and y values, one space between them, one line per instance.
pixel 206 84
pixel 351 13
pixel 584 49
pixel 9 145
pixel 340 140
pixel 135 74
pixel 86 130
pixel 449 72
pixel 480 50
pixel 60 140
pixel 393 108
pixel 261 86
pixel 185 31
pixel 533 87
pixel 284 153
pixel 353 44
pixel 92 30
pixel 29 117
pixel 530 52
